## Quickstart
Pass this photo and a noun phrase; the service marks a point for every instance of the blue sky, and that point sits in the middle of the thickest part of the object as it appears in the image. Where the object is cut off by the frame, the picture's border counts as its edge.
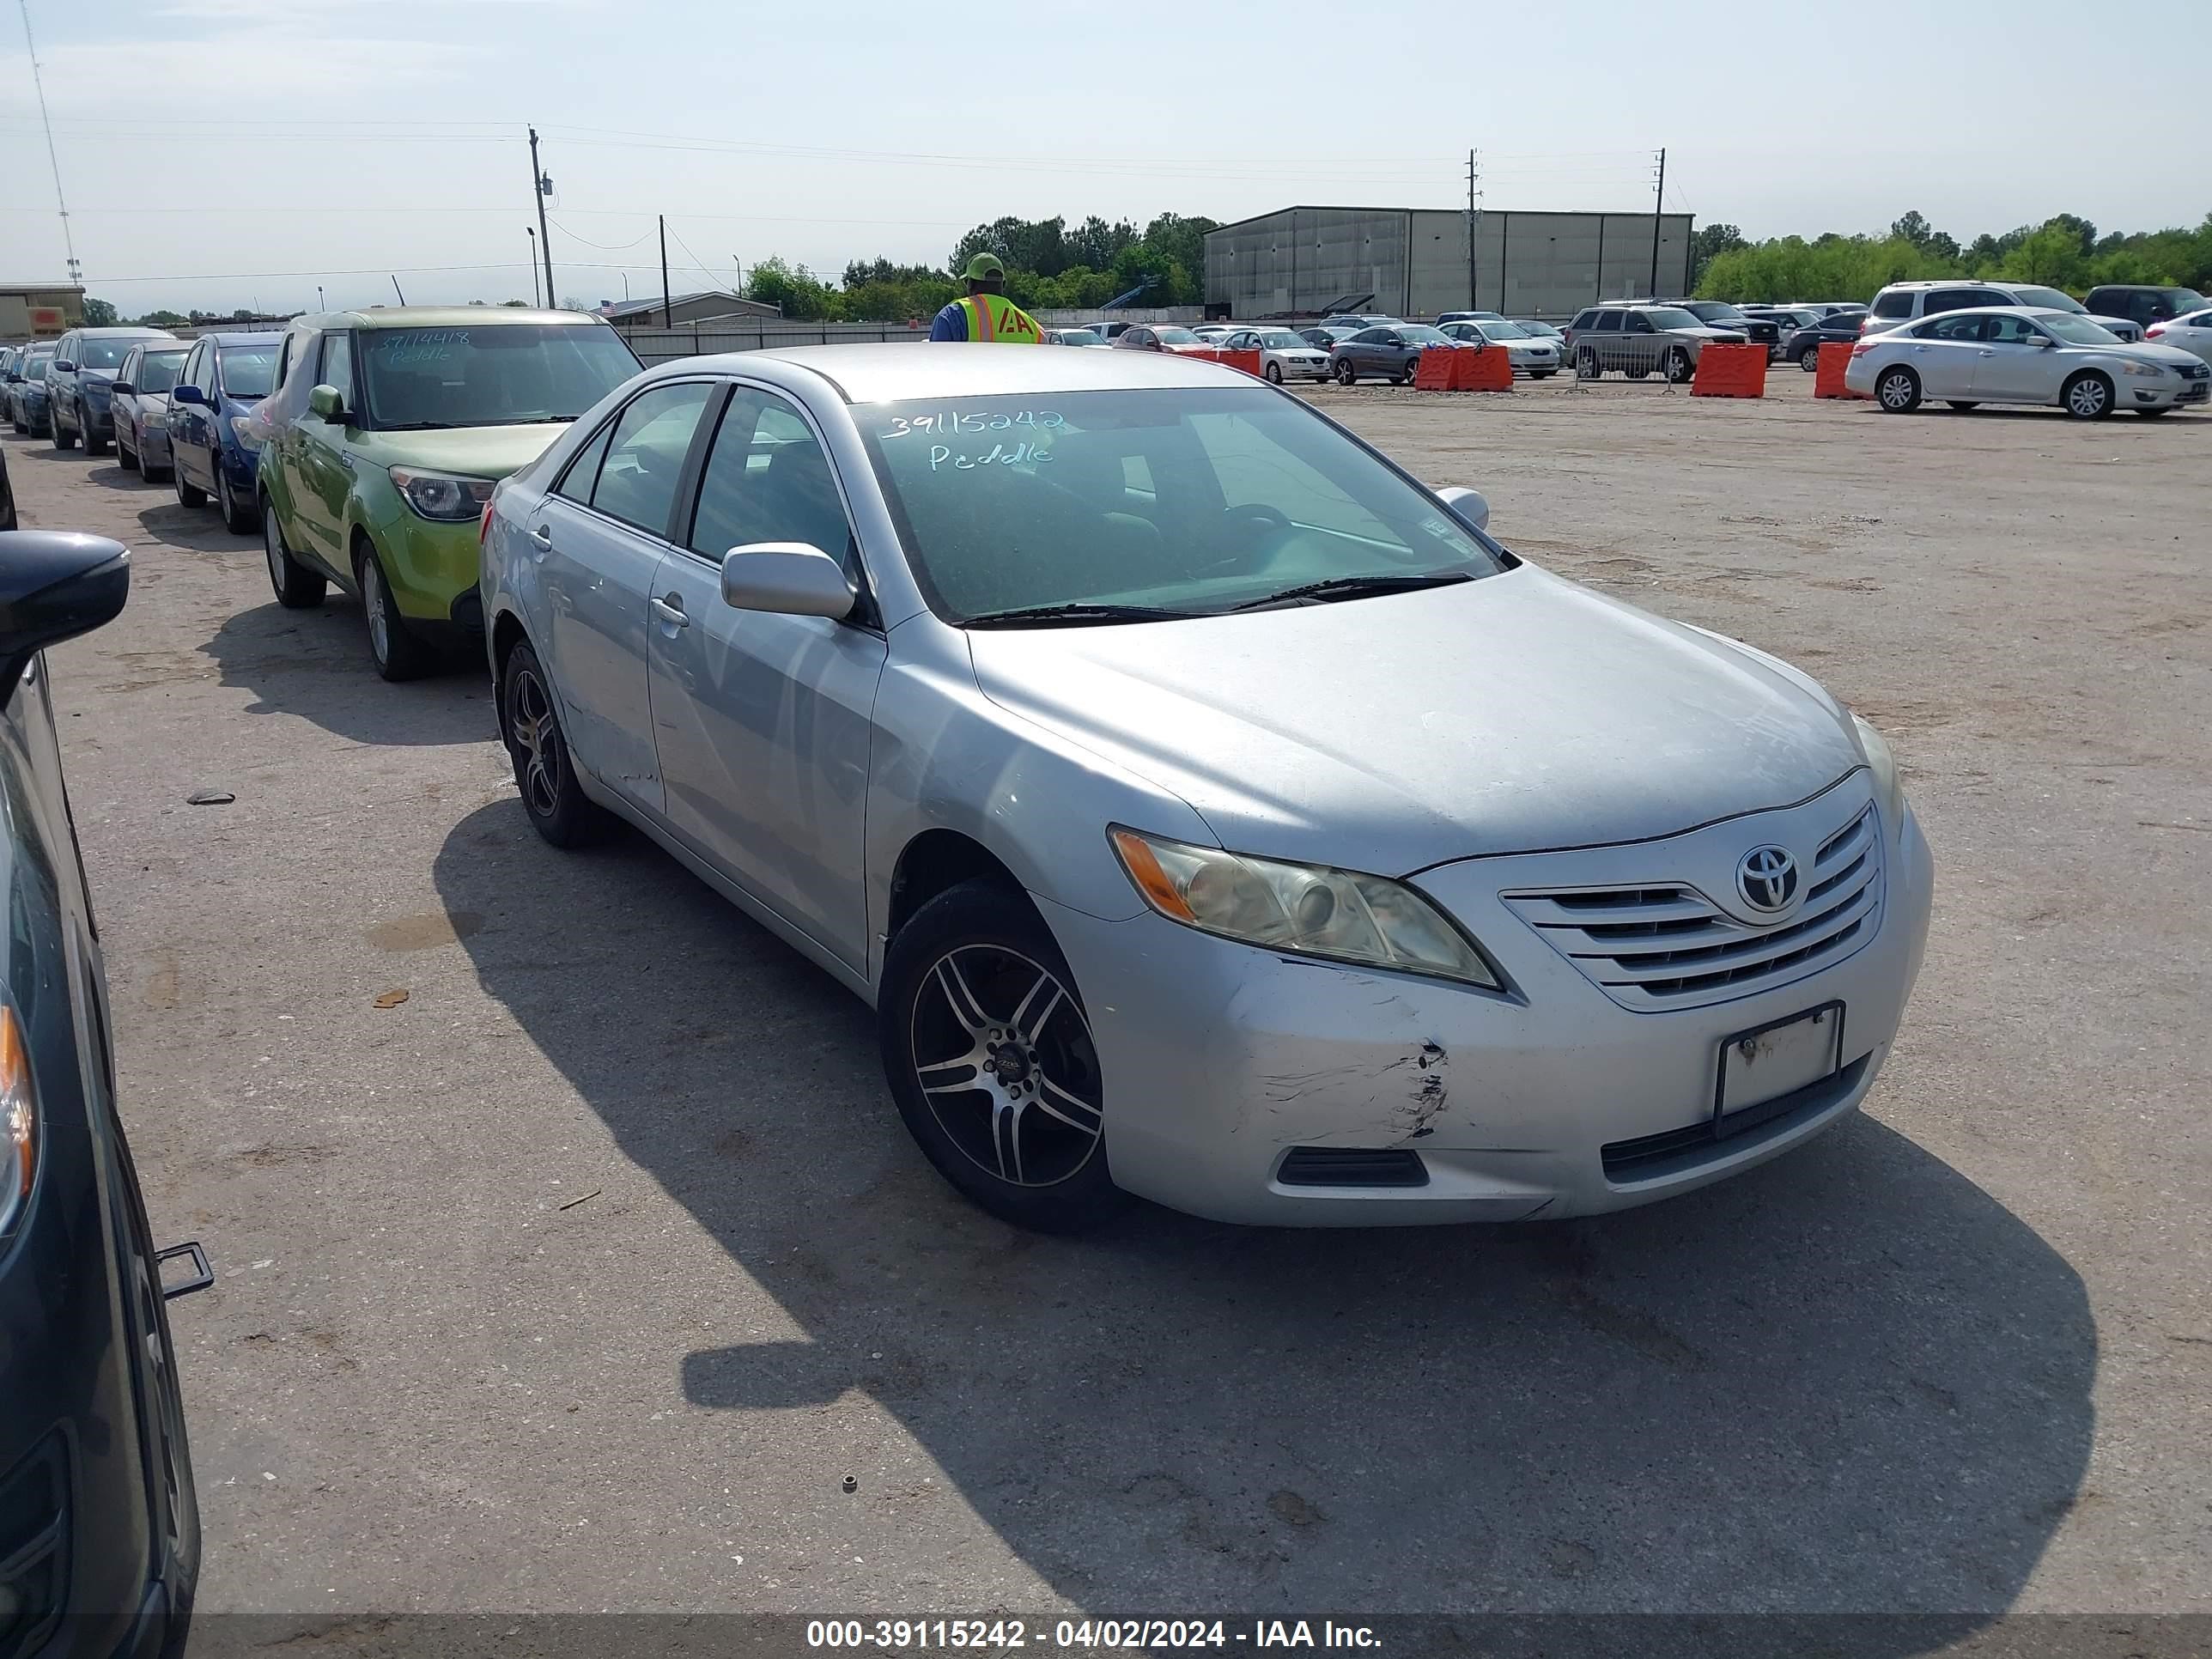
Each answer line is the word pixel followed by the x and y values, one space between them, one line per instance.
pixel 220 153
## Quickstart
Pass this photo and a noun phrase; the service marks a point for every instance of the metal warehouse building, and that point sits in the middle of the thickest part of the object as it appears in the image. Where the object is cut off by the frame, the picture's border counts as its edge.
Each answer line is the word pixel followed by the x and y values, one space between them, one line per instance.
pixel 1415 260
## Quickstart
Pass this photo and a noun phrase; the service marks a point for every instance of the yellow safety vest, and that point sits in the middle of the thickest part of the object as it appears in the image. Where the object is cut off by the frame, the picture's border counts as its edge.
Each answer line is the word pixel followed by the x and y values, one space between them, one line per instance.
pixel 994 319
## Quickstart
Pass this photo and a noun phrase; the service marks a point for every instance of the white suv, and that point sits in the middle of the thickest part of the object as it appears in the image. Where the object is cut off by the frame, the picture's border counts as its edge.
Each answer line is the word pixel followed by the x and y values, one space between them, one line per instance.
pixel 1908 302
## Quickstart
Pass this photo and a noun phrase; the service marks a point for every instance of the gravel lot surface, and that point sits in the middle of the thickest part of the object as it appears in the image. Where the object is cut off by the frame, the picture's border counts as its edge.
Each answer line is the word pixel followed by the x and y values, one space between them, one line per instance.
pixel 584 1277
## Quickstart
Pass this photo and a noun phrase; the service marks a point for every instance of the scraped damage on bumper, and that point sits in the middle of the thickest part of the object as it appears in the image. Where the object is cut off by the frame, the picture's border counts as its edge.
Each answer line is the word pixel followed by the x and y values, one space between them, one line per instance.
pixel 1239 1079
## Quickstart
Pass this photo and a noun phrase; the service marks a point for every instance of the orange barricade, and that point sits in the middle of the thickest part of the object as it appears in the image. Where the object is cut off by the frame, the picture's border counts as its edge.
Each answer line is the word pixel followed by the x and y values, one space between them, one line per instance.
pixel 1247 360
pixel 1730 370
pixel 1828 378
pixel 1434 372
pixel 1488 370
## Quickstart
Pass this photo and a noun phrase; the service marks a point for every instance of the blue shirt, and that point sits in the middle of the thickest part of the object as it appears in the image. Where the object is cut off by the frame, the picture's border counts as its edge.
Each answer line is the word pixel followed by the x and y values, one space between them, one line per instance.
pixel 951 323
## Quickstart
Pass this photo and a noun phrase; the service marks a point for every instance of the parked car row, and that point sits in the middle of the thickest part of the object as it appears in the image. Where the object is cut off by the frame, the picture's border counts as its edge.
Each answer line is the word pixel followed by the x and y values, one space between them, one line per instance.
pixel 23 399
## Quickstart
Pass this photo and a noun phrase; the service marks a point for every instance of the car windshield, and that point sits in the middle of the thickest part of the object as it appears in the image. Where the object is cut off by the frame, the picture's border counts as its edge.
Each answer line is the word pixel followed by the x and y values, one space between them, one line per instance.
pixel 2079 331
pixel 157 371
pixel 1281 339
pixel 494 374
pixel 1079 337
pixel 1502 332
pixel 1715 311
pixel 1183 500
pixel 103 353
pixel 1669 317
pixel 2185 299
pixel 248 371
pixel 1175 336
pixel 1536 328
pixel 36 369
pixel 2050 297
pixel 1422 334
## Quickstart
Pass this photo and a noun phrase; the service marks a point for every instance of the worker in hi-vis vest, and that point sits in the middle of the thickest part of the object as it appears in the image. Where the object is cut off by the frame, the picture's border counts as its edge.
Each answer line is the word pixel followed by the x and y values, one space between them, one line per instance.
pixel 986 314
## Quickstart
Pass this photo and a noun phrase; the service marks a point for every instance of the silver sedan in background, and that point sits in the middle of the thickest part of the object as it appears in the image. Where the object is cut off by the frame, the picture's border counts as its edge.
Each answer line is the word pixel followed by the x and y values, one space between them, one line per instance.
pixel 2008 355
pixel 1209 810
pixel 1529 354
pixel 1285 354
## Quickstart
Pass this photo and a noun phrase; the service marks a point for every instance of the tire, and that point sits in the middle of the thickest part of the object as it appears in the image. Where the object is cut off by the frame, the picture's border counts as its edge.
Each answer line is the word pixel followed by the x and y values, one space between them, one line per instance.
pixel 237 516
pixel 125 456
pixel 2087 396
pixel 977 966
pixel 1809 360
pixel 62 440
pixel 95 445
pixel 399 655
pixel 297 587
pixel 1586 366
pixel 1961 407
pixel 1678 366
pixel 530 726
pixel 188 493
pixel 1274 373
pixel 1346 373
pixel 1897 391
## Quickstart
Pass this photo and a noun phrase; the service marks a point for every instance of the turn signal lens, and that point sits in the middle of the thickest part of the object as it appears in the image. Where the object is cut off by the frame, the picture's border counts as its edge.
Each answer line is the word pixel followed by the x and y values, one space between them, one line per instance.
pixel 1307 909
pixel 19 1121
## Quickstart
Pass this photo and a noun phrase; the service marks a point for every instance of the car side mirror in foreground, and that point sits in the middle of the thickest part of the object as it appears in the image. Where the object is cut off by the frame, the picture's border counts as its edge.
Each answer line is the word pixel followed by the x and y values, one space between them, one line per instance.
pixel 1469 507
pixel 327 402
pixel 66 365
pixel 791 579
pixel 54 586
pixel 123 388
pixel 188 394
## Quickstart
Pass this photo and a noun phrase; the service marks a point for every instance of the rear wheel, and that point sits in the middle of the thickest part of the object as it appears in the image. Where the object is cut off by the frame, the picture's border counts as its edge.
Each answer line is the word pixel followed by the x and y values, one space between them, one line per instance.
pixel 1809 359
pixel 1586 366
pixel 1345 374
pixel 298 588
pixel 989 1055
pixel 2087 396
pixel 1680 366
pixel 398 653
pixel 529 722
pixel 1898 390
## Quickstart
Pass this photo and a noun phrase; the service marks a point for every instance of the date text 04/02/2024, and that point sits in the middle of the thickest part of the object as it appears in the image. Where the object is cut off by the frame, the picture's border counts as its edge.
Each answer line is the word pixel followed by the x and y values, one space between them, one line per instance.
pixel 1085 1635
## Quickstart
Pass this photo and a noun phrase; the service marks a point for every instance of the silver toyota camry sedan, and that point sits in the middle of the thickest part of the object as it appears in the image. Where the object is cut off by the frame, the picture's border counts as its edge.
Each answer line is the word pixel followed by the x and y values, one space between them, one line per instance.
pixel 1209 810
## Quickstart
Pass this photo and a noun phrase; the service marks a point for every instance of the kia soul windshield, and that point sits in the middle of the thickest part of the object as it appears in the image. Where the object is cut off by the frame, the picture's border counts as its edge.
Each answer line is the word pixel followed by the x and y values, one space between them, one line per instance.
pixel 500 374
pixel 1162 502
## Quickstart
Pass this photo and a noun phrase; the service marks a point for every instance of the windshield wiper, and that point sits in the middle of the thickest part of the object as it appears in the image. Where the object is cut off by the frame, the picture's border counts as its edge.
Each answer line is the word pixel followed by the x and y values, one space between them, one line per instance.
pixel 1357 587
pixel 421 426
pixel 1075 616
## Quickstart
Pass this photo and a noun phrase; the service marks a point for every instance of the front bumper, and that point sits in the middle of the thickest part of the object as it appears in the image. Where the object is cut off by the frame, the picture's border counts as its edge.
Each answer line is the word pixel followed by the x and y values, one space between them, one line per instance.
pixel 242 466
pixel 432 565
pixel 1221 1058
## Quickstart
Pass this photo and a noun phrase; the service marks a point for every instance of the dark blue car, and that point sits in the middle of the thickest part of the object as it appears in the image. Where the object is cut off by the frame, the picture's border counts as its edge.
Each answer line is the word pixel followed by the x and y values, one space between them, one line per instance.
pixel 212 452
pixel 100 1534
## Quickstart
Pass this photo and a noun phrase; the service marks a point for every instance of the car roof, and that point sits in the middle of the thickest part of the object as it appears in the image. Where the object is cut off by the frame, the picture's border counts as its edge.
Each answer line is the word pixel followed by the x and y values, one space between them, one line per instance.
pixel 248 336
pixel 130 330
pixel 884 374
pixel 1999 311
pixel 452 317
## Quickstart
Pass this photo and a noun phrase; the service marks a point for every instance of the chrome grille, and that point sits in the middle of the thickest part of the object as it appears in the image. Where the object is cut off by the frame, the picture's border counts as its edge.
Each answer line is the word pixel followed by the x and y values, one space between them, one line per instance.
pixel 1666 946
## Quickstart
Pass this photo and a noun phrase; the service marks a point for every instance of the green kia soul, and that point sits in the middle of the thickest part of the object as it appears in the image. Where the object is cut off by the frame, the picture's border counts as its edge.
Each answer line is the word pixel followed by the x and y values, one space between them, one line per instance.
pixel 383 439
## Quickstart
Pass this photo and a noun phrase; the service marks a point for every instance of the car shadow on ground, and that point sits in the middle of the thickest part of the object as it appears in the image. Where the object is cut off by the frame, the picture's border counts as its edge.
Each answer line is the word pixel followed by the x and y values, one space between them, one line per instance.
pixel 1850 1381
pixel 111 474
pixel 196 529
pixel 315 664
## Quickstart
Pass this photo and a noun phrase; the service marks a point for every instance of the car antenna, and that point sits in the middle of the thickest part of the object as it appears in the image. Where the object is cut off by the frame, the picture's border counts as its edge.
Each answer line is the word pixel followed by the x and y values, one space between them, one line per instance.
pixel 396 289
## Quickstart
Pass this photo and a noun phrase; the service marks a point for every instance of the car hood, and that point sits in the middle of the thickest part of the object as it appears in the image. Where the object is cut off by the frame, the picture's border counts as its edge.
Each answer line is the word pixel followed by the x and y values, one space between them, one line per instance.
pixel 1515 713
pixel 473 452
pixel 2149 352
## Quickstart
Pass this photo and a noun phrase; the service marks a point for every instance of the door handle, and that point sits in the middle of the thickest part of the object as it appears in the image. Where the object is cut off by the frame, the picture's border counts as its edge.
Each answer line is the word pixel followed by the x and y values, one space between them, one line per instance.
pixel 670 611
pixel 346 461
pixel 541 540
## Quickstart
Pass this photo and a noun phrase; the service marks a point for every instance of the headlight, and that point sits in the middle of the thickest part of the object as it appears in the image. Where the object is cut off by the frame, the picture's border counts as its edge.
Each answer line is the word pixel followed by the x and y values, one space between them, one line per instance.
pixel 1888 787
pixel 440 495
pixel 19 1121
pixel 155 420
pixel 1308 908
pixel 2145 371
pixel 242 429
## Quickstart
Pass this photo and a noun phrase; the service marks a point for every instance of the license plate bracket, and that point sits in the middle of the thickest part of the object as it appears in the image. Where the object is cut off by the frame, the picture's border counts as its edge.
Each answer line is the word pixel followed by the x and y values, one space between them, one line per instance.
pixel 1761 1068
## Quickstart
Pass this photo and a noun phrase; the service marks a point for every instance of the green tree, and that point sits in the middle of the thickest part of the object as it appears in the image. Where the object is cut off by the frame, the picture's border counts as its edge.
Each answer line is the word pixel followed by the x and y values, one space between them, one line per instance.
pixel 522 304
pixel 1037 244
pixel 163 319
pixel 1708 243
pixel 1093 244
pixel 99 313
pixel 795 290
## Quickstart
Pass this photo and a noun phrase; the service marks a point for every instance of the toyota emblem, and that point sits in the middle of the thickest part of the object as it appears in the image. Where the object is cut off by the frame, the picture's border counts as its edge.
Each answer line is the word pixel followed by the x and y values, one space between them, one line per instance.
pixel 1767 879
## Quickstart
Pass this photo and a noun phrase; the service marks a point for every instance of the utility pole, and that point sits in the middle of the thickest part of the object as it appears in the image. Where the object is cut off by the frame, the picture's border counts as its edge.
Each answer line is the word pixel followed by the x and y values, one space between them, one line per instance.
pixel 1473 227
pixel 667 311
pixel 53 160
pixel 541 187
pixel 531 231
pixel 1658 202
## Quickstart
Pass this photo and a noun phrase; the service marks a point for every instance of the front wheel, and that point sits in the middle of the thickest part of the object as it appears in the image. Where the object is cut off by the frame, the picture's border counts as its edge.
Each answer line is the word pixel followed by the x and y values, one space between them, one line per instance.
pixel 188 494
pixel 237 516
pixel 2087 396
pixel 1898 390
pixel 297 587
pixel 125 456
pixel 529 722
pixel 1345 374
pixel 1274 373
pixel 989 1055
pixel 392 645
pixel 60 439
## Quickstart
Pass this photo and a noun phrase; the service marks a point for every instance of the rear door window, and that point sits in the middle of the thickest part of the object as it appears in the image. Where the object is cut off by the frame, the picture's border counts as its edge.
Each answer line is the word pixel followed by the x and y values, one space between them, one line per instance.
pixel 645 459
pixel 2010 331
pixel 1956 299
pixel 1893 305
pixel 1608 322
pixel 1955 328
pixel 1583 320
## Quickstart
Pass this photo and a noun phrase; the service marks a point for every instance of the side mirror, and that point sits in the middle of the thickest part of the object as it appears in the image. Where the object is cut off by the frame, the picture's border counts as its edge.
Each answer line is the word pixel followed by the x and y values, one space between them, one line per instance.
pixel 790 579
pixel 188 394
pixel 66 365
pixel 327 402
pixel 1469 507
pixel 2043 341
pixel 54 586
pixel 123 386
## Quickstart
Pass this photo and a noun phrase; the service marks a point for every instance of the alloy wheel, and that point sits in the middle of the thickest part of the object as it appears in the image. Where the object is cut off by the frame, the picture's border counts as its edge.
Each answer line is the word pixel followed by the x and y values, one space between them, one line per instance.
pixel 1018 1091
pixel 372 604
pixel 272 546
pixel 538 736
pixel 2086 397
pixel 1897 392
